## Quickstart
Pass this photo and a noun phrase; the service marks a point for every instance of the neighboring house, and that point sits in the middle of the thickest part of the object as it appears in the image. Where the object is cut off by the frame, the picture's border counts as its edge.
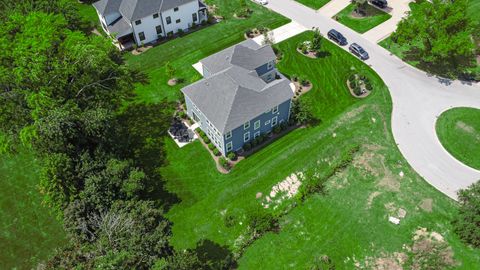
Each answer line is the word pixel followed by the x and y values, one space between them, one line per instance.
pixel 240 97
pixel 140 22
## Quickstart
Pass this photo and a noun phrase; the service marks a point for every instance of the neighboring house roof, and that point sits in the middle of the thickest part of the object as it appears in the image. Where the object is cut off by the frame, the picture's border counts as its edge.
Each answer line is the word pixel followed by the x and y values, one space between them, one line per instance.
pixel 236 94
pixel 134 10
pixel 120 27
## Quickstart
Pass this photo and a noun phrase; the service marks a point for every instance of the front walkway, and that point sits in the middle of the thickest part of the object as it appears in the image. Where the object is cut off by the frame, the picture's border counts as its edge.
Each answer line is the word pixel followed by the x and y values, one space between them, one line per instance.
pixel 333 7
pixel 284 32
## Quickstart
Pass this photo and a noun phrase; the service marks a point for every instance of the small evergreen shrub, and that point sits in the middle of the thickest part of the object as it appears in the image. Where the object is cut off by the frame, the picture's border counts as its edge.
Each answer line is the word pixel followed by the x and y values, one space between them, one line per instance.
pixel 216 152
pixel 232 156
pixel 247 146
pixel 224 163
pixel 211 146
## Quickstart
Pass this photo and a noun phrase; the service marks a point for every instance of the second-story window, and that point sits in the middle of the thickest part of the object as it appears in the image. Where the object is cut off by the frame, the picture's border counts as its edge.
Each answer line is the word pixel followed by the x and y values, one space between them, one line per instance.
pixel 228 135
pixel 137 22
pixel 256 125
pixel 177 21
pixel 246 125
pixel 275 109
pixel 169 20
pixel 175 9
pixel 155 15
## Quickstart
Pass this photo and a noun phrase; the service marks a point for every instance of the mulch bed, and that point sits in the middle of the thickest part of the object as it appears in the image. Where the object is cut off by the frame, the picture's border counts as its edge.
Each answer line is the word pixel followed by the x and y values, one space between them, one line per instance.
pixel 309 54
pixel 303 90
pixel 366 94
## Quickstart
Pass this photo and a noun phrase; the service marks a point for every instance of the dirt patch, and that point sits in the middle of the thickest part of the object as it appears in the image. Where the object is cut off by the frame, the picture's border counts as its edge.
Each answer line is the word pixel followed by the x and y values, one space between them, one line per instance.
pixel 285 189
pixel 427 205
pixel 461 125
pixel 428 248
pixel 389 181
pixel 371 197
pixel 386 261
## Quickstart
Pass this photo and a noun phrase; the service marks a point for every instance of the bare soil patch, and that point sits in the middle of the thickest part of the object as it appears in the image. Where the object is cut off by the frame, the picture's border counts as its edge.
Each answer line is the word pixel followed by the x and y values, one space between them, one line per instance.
pixel 427 205
pixel 461 125
pixel 371 197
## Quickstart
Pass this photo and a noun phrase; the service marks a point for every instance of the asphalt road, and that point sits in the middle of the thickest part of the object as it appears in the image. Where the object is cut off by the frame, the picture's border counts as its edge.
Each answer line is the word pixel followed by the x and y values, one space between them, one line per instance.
pixel 418 99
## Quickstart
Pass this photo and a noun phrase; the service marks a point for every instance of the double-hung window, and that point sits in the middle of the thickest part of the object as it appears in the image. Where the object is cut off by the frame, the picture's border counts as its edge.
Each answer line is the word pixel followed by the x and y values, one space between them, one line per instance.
pixel 137 22
pixel 275 109
pixel 229 146
pixel 246 125
pixel 155 15
pixel 256 135
pixel 168 19
pixel 228 135
pixel 159 29
pixel 246 137
pixel 256 125
pixel 274 121
pixel 177 21
pixel 141 35
pixel 175 9
pixel 194 17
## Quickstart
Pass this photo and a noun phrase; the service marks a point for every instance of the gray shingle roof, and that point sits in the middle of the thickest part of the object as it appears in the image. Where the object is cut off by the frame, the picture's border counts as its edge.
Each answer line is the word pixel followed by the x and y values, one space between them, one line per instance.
pixel 137 9
pixel 247 54
pixel 120 27
pixel 235 95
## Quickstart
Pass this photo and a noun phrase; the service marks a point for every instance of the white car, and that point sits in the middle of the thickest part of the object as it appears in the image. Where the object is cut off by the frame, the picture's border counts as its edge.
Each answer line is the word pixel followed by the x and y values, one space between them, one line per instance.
pixel 261 2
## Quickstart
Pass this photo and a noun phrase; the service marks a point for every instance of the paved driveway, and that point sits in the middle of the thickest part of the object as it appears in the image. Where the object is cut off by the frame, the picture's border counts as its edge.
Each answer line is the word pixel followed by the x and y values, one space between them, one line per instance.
pixel 418 99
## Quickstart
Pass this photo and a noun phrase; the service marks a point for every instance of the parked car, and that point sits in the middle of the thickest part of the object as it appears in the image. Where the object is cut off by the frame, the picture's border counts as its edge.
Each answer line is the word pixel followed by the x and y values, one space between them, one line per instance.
pixel 358 51
pixel 337 37
pixel 261 2
pixel 379 3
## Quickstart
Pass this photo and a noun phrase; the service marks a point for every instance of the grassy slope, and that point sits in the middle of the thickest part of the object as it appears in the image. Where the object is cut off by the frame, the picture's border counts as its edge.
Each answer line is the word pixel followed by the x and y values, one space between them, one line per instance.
pixel 185 51
pixel 28 233
pixel 315 4
pixel 338 224
pixel 459 131
pixel 362 25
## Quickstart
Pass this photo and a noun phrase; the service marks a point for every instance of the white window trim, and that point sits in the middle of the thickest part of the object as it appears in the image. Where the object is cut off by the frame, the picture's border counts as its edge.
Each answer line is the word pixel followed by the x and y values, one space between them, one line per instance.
pixel 229 147
pixel 267 122
pixel 270 65
pixel 275 109
pixel 256 135
pixel 228 135
pixel 246 125
pixel 246 137
pixel 274 120
pixel 255 126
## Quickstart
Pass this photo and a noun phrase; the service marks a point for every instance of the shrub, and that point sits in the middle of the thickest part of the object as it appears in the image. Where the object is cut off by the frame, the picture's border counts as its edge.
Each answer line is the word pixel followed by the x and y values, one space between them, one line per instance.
pixel 216 152
pixel 283 126
pixel 224 163
pixel 247 146
pixel 194 25
pixel 262 221
pixel 180 32
pixel 294 78
pixel 229 220
pixel 206 140
pixel 201 132
pixel 368 85
pixel 304 82
pixel 182 114
pixel 466 223
pixel 211 146
pixel 277 129
pixel 232 156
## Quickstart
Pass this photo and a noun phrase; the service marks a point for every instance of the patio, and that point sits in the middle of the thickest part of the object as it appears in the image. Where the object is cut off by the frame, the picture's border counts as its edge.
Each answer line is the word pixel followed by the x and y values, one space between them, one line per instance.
pixel 182 133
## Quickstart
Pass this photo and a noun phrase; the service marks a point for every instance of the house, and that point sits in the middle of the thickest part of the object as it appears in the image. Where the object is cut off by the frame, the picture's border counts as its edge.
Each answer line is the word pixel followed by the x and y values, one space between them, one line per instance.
pixel 139 22
pixel 241 96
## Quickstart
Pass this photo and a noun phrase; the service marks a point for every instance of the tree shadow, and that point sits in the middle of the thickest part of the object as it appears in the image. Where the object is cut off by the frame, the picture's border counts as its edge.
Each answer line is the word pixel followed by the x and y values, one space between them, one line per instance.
pixel 323 54
pixel 215 256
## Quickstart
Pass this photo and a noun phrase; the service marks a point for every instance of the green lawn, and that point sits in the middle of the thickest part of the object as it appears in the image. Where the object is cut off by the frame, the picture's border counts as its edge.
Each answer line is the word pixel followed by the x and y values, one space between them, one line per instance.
pixel 459 131
pixel 28 232
pixel 342 224
pixel 315 4
pixel 183 52
pixel 362 25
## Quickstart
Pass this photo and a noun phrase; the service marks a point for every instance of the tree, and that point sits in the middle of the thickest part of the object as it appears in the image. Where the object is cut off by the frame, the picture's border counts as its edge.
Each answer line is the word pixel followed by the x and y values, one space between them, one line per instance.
pixel 268 38
pixel 440 35
pixel 302 111
pixel 316 43
pixel 467 222
pixel 170 71
pixel 360 6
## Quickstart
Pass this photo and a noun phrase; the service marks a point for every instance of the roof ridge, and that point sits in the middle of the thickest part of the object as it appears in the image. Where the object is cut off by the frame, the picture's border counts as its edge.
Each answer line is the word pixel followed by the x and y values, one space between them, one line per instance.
pixel 230 110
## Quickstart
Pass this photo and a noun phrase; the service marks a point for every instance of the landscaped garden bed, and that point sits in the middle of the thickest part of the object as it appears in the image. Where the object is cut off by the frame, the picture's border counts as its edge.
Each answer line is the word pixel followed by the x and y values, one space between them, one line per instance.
pixel 255 32
pixel 302 86
pixel 361 18
pixel 359 85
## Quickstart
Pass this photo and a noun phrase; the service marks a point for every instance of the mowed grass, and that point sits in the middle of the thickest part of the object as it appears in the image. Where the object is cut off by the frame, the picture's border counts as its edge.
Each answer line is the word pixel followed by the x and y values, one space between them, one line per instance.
pixel 183 52
pixel 346 223
pixel 459 132
pixel 29 233
pixel 315 4
pixel 362 25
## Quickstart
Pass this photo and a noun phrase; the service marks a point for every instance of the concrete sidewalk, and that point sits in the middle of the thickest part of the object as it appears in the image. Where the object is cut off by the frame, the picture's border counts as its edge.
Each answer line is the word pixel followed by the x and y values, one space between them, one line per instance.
pixel 333 7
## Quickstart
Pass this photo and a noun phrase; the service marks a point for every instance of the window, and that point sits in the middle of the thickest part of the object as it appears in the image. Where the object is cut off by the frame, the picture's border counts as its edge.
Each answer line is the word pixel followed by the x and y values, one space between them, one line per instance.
pixel 274 121
pixel 267 122
pixel 159 29
pixel 270 65
pixel 246 137
pixel 275 109
pixel 229 146
pixel 155 15
pixel 269 110
pixel 194 17
pixel 175 9
pixel 228 135
pixel 141 35
pixel 257 134
pixel 246 125
pixel 138 22
pixel 256 125
pixel 169 20
pixel 177 21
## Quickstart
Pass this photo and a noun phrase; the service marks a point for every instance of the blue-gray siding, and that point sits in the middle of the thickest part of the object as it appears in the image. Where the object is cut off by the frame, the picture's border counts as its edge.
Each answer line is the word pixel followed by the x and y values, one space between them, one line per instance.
pixel 265 119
